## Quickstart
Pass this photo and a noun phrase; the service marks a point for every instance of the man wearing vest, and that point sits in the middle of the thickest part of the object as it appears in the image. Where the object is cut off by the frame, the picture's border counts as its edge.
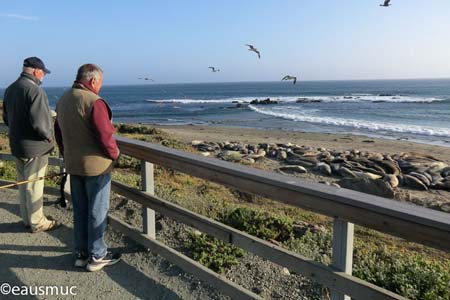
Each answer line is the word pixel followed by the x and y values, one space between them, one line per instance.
pixel 84 133
pixel 27 114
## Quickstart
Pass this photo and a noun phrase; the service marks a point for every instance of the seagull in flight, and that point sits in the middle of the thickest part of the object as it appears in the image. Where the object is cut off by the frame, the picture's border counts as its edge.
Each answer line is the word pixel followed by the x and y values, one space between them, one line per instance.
pixel 251 48
pixel 214 70
pixel 145 78
pixel 289 77
pixel 386 3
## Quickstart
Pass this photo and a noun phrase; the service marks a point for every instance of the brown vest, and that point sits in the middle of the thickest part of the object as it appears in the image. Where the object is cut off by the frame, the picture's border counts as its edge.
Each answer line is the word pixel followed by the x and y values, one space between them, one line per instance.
pixel 83 154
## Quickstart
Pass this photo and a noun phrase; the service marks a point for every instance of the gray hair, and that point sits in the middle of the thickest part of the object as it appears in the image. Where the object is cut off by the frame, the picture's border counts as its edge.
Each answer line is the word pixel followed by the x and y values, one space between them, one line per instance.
pixel 88 72
pixel 28 70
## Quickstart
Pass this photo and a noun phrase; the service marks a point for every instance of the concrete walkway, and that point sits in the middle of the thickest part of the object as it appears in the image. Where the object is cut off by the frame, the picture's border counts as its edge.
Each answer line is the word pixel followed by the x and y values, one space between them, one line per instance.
pixel 44 260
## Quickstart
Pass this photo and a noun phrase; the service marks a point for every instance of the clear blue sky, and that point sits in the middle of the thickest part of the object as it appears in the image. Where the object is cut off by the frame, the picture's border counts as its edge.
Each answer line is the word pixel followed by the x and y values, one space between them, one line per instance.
pixel 175 41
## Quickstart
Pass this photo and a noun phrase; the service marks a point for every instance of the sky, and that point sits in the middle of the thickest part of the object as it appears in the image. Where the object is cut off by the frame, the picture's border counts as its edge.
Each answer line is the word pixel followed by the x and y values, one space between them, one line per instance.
pixel 176 41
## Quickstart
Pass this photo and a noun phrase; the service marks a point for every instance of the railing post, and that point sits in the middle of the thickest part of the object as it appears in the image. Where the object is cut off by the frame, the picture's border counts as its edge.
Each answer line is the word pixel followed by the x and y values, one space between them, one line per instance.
pixel 342 251
pixel 148 186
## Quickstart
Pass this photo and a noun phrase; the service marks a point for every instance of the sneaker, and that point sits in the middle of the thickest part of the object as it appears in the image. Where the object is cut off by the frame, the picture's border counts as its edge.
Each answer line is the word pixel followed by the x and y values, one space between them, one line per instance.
pixel 46 226
pixel 96 264
pixel 81 261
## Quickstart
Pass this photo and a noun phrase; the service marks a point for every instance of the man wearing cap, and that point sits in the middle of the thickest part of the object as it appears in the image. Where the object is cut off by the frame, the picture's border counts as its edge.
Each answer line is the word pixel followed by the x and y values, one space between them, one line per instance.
pixel 27 114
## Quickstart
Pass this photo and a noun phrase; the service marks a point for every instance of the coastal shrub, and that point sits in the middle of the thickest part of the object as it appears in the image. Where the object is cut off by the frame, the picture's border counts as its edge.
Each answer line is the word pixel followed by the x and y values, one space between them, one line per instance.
pixel 136 129
pixel 213 253
pixel 8 170
pixel 406 274
pixel 175 144
pixel 247 197
pixel 150 135
pixel 258 223
pixel 129 162
pixel 127 178
pixel 316 246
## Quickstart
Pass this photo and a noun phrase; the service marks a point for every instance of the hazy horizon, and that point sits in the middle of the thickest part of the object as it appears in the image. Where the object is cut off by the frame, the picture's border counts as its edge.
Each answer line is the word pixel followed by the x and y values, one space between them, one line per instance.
pixel 261 81
pixel 176 42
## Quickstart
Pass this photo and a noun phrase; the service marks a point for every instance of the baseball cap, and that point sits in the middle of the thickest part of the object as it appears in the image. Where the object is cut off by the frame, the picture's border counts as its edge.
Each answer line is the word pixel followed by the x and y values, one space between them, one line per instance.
pixel 35 62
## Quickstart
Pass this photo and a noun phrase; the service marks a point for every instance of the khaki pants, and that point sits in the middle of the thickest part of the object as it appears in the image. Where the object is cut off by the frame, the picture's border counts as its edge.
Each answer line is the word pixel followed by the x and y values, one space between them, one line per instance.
pixel 31 194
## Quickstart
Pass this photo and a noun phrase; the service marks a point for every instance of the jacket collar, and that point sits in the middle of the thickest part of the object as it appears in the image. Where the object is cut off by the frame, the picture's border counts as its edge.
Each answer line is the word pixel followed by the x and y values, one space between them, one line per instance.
pixel 30 77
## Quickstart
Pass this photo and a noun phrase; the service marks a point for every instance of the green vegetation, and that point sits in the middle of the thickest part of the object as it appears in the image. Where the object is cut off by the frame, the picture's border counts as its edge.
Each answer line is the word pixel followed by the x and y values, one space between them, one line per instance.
pixel 316 246
pixel 213 253
pixel 151 135
pixel 258 223
pixel 407 274
pixel 8 170
pixel 137 129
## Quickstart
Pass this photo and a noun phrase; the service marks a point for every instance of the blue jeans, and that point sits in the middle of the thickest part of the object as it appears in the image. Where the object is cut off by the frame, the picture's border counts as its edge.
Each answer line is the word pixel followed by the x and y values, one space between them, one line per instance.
pixel 90 198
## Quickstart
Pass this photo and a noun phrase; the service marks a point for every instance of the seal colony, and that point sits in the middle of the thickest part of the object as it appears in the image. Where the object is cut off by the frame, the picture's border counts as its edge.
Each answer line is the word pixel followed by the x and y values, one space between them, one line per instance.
pixel 376 173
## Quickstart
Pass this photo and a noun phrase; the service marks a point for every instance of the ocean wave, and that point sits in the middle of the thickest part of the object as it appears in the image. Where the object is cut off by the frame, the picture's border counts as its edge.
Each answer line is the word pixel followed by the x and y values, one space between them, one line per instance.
pixel 311 99
pixel 357 124
pixel 203 101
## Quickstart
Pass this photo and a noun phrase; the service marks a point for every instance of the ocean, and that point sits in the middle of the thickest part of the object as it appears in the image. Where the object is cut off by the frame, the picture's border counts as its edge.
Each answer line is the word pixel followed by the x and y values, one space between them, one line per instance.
pixel 417 110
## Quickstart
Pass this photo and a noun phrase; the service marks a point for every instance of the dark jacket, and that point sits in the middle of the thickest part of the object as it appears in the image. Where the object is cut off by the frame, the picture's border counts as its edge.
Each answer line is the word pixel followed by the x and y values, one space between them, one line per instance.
pixel 27 114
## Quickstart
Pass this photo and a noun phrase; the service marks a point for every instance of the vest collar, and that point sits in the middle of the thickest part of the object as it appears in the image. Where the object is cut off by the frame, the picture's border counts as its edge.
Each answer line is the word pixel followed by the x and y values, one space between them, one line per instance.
pixel 31 78
pixel 79 85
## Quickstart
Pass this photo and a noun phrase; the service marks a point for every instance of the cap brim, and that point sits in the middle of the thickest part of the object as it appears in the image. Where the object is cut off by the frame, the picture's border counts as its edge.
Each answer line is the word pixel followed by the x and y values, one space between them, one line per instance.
pixel 47 71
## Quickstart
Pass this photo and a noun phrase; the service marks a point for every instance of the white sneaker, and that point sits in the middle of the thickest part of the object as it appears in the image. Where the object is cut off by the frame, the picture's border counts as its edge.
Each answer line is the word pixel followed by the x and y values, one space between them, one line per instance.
pixel 96 264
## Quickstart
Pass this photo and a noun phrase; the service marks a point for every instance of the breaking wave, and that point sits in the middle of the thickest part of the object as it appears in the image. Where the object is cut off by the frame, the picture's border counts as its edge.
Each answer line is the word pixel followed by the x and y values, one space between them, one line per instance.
pixel 311 99
pixel 357 124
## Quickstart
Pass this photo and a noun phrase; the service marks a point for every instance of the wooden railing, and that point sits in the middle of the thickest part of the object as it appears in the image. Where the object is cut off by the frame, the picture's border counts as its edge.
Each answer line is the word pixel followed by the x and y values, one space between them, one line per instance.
pixel 413 223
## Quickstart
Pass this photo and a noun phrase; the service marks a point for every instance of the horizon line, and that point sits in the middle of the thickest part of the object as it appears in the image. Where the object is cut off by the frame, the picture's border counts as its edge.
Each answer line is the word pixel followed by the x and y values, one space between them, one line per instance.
pixel 263 81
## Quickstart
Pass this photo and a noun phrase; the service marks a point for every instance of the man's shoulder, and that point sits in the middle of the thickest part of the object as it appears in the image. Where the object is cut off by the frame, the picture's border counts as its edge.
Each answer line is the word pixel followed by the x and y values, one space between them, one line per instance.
pixel 27 85
pixel 35 90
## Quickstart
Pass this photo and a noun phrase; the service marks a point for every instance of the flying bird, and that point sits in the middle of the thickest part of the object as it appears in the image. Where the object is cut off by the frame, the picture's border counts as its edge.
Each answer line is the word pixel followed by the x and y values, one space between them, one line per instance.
pixel 251 48
pixel 214 70
pixel 386 3
pixel 289 77
pixel 145 78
